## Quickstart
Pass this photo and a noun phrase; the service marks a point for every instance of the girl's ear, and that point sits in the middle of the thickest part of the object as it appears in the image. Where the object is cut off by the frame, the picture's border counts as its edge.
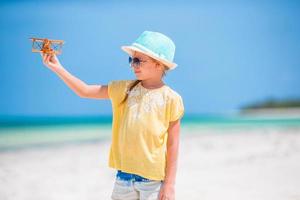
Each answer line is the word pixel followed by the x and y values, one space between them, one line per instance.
pixel 159 65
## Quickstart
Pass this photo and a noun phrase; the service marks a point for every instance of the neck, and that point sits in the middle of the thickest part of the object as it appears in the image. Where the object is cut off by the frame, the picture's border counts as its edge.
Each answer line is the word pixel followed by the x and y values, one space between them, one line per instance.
pixel 152 84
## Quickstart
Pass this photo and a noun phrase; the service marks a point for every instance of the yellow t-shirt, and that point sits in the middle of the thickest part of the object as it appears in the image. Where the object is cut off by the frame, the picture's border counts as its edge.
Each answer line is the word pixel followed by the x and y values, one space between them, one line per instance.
pixel 139 128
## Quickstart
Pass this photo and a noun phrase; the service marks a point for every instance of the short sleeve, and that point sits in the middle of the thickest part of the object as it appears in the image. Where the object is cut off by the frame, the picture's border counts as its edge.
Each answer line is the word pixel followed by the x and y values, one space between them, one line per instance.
pixel 177 109
pixel 117 90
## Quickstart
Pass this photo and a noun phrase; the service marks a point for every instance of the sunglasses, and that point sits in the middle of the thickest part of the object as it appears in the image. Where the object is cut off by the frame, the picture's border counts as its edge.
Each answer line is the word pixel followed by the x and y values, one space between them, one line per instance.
pixel 135 61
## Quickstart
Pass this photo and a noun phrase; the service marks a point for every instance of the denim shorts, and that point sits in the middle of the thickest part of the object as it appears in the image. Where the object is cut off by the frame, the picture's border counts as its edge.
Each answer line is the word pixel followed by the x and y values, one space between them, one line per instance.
pixel 129 186
pixel 128 176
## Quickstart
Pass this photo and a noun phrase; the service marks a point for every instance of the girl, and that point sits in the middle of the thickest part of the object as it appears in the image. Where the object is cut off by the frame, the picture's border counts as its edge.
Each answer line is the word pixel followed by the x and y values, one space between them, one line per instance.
pixel 146 119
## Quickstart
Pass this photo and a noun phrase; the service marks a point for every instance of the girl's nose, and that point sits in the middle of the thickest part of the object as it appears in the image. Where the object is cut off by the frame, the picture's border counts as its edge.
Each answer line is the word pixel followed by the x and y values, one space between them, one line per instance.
pixel 135 65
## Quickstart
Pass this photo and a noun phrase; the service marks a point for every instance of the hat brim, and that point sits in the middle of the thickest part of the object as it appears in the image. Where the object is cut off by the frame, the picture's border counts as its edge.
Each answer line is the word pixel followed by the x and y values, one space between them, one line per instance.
pixel 131 49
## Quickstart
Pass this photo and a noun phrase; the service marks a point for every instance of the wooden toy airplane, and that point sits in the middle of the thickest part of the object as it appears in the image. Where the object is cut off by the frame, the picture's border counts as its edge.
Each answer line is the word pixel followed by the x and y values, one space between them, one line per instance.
pixel 47 46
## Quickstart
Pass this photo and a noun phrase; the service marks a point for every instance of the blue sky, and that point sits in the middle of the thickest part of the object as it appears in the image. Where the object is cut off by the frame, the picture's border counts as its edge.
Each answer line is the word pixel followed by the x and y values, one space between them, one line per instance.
pixel 228 54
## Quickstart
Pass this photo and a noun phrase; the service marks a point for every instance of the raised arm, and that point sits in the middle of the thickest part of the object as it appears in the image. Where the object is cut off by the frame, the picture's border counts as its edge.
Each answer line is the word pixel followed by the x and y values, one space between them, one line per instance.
pixel 78 86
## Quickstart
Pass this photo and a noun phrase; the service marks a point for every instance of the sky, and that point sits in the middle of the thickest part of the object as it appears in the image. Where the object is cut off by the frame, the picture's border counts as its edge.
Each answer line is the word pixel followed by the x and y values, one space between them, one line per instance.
pixel 229 54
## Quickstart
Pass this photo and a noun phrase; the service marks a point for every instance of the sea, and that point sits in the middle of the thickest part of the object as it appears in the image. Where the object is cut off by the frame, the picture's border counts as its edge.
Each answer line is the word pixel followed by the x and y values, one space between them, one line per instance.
pixel 27 132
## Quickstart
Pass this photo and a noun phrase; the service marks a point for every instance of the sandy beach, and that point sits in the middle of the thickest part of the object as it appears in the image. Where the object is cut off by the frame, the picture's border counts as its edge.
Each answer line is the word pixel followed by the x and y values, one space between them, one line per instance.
pixel 214 163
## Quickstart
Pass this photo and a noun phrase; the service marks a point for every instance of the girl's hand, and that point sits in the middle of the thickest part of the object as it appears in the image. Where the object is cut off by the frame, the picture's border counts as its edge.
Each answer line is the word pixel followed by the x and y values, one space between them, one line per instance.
pixel 167 192
pixel 51 61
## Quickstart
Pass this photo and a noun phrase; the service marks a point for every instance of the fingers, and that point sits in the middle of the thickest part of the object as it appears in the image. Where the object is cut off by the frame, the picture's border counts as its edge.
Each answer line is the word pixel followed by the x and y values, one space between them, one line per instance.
pixel 43 57
pixel 46 58
pixel 165 198
pixel 53 58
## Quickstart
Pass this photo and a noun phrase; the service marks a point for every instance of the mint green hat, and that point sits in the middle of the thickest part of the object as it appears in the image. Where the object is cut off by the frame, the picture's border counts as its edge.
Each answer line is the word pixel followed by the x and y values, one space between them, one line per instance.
pixel 156 45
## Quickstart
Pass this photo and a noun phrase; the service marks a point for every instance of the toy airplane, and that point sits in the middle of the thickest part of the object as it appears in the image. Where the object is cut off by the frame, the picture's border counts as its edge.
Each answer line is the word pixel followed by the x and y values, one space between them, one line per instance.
pixel 47 46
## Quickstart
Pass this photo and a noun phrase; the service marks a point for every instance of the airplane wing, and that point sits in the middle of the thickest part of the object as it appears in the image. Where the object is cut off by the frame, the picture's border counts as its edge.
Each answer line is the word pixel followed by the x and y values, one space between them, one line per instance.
pixel 54 47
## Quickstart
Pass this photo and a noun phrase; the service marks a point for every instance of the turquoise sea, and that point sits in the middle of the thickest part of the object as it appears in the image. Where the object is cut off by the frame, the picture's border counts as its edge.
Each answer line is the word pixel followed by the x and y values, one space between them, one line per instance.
pixel 25 132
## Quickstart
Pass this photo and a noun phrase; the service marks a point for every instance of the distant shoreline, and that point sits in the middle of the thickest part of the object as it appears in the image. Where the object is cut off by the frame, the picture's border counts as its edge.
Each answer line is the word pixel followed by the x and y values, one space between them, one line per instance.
pixel 271 112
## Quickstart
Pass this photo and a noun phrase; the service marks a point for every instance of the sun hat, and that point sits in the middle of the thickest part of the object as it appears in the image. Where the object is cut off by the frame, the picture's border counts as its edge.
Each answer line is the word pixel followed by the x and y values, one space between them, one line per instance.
pixel 156 45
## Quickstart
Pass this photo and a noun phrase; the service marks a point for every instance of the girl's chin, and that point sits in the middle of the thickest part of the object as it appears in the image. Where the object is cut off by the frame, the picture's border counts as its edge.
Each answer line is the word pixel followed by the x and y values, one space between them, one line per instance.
pixel 138 78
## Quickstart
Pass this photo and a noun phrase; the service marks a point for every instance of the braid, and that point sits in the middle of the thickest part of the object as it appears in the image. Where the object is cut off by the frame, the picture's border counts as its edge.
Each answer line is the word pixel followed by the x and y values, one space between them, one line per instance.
pixel 130 88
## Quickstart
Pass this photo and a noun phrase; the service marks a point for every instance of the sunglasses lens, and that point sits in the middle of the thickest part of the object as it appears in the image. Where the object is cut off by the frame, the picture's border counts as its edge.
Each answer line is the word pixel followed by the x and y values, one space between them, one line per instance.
pixel 134 61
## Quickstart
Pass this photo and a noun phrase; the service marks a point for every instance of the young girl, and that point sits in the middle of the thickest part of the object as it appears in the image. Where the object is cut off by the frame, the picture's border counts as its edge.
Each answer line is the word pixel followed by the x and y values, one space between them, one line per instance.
pixel 146 119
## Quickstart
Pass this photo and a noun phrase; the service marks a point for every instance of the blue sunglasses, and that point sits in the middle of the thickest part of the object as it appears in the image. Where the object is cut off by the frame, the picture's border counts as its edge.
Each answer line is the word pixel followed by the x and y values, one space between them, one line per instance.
pixel 135 61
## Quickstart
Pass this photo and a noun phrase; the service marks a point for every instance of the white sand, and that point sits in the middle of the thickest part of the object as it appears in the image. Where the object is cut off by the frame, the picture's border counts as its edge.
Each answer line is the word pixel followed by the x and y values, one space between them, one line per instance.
pixel 228 164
